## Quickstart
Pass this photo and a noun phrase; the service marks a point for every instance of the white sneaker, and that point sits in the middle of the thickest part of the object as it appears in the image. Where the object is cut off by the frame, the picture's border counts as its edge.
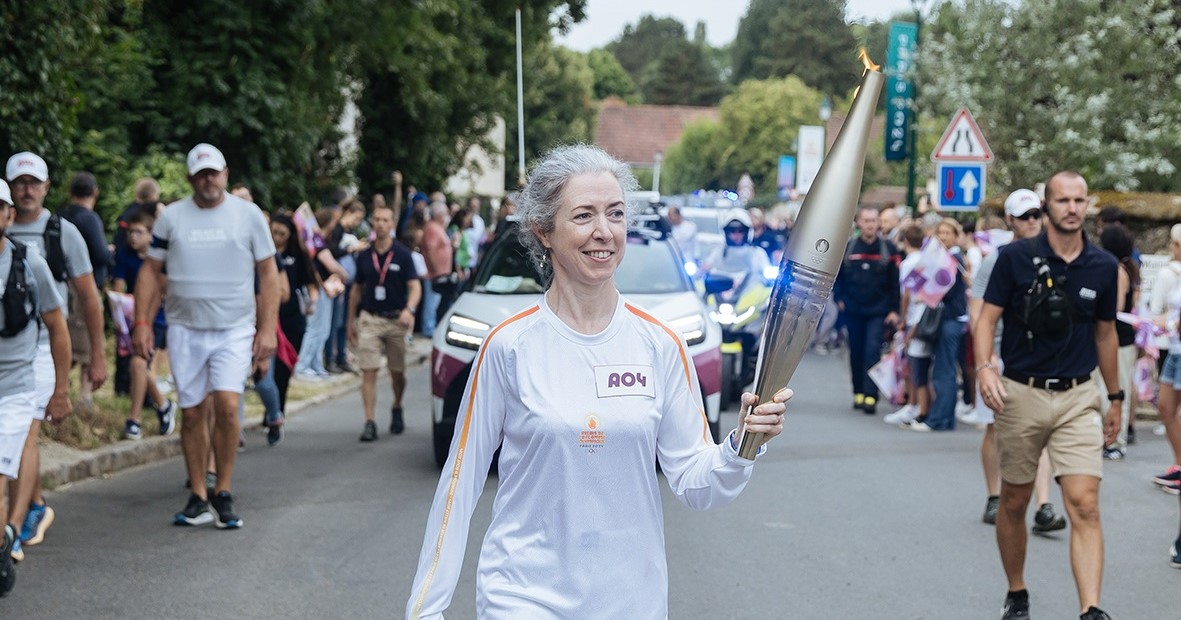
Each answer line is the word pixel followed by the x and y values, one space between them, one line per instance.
pixel 902 416
pixel 973 417
pixel 963 409
pixel 915 425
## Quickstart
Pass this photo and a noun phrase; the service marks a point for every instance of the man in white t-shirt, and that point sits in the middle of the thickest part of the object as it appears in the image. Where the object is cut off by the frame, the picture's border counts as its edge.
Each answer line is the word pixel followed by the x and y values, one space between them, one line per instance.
pixel 62 246
pixel 213 245
pixel 684 232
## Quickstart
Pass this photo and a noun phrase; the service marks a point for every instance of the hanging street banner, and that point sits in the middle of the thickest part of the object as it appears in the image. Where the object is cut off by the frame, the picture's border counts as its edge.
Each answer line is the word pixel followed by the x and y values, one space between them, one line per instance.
pixel 899 88
pixel 787 176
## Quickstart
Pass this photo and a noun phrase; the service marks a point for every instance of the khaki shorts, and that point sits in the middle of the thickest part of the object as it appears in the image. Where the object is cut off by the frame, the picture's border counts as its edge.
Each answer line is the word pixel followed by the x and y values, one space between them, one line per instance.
pixel 79 335
pixel 377 336
pixel 1068 424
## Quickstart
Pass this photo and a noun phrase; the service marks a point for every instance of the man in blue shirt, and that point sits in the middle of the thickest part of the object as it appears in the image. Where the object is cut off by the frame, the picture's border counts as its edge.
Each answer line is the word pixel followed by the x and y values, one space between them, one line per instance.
pixel 1057 294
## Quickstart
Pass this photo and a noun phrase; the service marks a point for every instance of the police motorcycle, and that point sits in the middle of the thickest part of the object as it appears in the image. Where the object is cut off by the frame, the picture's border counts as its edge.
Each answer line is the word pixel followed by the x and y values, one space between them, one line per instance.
pixel 738 282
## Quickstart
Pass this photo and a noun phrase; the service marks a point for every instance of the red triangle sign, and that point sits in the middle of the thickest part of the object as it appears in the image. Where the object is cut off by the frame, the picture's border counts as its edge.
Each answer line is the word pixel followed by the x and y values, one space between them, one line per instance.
pixel 962 141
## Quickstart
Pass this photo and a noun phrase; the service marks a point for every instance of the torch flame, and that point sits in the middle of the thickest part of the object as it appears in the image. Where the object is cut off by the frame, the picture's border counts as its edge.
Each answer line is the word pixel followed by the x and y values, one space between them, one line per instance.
pixel 863 56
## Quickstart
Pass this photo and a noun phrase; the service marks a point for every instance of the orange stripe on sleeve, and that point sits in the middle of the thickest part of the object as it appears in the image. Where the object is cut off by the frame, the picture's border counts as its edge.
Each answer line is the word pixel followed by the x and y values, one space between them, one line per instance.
pixel 455 470
pixel 684 361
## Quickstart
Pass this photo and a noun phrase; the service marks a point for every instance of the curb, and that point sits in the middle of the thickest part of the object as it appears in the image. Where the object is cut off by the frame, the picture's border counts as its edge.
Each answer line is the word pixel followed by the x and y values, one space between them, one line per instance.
pixel 75 465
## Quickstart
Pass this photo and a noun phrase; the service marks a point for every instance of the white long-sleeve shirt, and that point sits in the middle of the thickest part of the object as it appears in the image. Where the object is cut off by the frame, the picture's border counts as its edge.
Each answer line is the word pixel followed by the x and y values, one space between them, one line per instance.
pixel 577 527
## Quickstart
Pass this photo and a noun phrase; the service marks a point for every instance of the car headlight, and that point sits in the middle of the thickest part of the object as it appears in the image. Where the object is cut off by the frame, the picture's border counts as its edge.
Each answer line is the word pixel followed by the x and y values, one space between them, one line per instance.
pixel 466 333
pixel 692 327
pixel 690 268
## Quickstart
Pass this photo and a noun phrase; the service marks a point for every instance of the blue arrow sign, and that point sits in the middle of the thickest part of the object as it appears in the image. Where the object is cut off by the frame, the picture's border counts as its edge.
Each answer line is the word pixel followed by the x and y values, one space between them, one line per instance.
pixel 961 186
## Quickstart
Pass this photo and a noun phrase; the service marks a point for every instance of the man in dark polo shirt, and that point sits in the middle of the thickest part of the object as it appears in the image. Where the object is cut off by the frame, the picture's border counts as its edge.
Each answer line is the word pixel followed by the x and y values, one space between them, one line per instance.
pixel 1057 294
pixel 386 292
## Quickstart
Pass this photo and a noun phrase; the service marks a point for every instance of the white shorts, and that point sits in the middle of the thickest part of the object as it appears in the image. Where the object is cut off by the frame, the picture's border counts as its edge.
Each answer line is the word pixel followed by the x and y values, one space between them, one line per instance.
pixel 16 413
pixel 209 360
pixel 44 380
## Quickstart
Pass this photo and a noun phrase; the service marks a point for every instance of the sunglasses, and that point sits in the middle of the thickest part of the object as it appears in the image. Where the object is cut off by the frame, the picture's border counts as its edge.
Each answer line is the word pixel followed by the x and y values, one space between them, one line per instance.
pixel 730 231
pixel 1029 215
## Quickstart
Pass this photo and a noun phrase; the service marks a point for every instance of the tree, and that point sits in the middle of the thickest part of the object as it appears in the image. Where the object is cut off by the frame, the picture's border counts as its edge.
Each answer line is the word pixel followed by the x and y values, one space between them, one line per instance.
pixel 757 124
pixel 1103 102
pixel 683 74
pixel 433 80
pixel 610 78
pixel 805 38
pixel 559 88
pixel 640 45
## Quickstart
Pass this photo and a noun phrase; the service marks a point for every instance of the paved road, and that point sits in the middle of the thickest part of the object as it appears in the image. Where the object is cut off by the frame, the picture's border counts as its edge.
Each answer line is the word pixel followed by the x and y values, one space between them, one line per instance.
pixel 845 518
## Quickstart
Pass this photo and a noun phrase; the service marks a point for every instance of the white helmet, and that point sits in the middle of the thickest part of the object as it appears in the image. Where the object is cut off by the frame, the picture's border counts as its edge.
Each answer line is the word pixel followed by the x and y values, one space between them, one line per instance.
pixel 737 216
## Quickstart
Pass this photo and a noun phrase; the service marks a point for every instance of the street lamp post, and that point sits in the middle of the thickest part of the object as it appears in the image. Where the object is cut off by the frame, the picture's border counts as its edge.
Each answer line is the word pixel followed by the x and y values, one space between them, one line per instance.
pixel 656 161
pixel 918 6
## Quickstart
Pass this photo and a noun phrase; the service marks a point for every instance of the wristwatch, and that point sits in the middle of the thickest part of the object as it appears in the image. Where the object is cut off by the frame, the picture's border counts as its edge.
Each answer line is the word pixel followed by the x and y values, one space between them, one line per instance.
pixel 1116 396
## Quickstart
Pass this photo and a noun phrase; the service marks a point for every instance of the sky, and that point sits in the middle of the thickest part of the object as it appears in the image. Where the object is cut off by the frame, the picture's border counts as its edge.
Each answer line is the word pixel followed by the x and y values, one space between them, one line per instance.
pixel 605 19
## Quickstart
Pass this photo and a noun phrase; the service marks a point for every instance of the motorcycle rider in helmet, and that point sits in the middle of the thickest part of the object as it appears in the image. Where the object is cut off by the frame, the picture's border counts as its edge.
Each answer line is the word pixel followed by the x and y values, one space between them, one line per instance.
pixel 739 256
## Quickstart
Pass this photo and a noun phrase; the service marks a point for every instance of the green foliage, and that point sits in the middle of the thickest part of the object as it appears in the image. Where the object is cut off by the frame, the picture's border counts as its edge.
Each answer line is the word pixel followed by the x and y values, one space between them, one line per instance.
pixel 683 74
pixel 758 123
pixel 805 38
pixel 559 88
pixel 610 78
pixel 1088 85
pixel 669 68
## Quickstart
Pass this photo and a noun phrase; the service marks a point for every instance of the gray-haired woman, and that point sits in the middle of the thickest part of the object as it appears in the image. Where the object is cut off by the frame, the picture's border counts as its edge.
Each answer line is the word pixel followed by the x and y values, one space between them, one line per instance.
pixel 581 392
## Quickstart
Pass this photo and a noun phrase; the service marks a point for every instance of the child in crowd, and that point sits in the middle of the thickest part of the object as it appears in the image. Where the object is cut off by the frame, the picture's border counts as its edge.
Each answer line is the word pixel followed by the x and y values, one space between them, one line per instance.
pixel 918 352
pixel 128 260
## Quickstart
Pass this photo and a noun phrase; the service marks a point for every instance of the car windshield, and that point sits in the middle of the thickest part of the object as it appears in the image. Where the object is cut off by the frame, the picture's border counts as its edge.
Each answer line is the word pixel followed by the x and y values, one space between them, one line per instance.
pixel 649 266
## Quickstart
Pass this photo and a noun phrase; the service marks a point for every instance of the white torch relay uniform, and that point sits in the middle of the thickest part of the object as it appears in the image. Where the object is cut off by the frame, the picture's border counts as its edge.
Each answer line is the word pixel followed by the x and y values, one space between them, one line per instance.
pixel 577 526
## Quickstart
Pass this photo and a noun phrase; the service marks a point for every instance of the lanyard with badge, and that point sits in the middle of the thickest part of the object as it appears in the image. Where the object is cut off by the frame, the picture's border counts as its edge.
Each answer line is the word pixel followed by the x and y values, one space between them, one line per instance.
pixel 379 290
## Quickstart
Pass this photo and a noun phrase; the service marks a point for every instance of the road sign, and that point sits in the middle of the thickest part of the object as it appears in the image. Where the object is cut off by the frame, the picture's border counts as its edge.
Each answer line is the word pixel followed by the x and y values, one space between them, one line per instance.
pixel 961 186
pixel 962 141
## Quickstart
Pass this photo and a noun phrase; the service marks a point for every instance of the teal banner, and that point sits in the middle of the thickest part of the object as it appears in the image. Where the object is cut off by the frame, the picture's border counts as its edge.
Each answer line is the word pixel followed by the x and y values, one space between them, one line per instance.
pixel 900 88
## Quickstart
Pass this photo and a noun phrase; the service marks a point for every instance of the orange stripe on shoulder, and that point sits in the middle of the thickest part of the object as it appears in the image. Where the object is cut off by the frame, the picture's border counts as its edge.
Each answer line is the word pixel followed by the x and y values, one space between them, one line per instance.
pixel 455 470
pixel 684 357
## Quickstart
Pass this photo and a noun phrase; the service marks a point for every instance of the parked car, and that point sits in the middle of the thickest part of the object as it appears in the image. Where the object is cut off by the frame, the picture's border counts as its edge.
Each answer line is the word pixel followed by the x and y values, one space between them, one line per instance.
pixel 505 282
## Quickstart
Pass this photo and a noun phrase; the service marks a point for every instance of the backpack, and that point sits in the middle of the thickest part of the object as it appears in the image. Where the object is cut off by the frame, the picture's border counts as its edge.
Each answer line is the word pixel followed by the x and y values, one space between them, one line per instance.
pixel 20 299
pixel 53 248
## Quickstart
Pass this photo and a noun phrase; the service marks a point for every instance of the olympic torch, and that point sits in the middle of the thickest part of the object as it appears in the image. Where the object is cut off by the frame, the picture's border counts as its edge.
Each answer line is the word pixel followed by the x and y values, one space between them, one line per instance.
pixel 814 251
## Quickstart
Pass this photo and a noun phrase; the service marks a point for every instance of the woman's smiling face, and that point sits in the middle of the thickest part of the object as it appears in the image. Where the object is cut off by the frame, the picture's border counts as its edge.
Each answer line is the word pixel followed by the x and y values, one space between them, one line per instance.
pixel 590 231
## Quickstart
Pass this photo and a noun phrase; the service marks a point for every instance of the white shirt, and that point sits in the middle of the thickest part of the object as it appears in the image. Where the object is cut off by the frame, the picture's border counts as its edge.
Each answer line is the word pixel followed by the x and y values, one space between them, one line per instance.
pixel 685 235
pixel 577 526
pixel 210 255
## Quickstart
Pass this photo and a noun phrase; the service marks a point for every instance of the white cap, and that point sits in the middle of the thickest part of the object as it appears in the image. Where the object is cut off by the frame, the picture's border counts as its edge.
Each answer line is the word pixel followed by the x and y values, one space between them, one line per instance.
pixel 205 157
pixel 27 163
pixel 1021 202
pixel 5 194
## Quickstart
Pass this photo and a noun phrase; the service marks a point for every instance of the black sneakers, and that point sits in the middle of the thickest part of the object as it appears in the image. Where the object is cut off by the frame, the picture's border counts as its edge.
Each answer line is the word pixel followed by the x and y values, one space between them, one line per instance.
pixel 397 424
pixel 370 432
pixel 196 512
pixel 991 508
pixel 223 512
pixel 1046 521
pixel 1094 613
pixel 7 571
pixel 1016 606
pixel 1175 554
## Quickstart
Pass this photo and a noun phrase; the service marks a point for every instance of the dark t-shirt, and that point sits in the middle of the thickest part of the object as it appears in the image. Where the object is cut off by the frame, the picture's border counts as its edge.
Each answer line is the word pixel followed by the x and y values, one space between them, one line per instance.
pixel 126 268
pixel 400 271
pixel 770 240
pixel 290 312
pixel 91 226
pixel 1090 285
